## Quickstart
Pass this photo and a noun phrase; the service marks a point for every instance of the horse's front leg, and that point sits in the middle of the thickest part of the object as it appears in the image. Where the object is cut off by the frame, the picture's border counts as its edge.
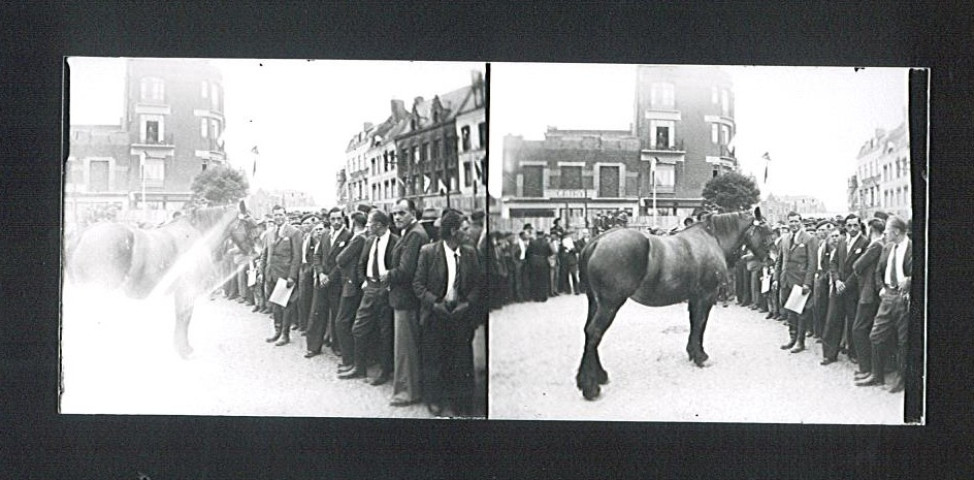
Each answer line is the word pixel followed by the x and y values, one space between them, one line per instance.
pixel 699 314
pixel 184 313
pixel 590 372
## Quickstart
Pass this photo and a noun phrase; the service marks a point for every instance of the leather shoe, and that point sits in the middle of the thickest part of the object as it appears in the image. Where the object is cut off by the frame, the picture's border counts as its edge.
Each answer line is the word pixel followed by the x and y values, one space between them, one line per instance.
pixel 256 309
pixel 282 342
pixel 345 368
pixel 861 375
pixel 381 379
pixel 401 403
pixel 869 381
pixel 769 316
pixel 798 348
pixel 311 354
pixel 788 346
pixel 351 374
pixel 827 361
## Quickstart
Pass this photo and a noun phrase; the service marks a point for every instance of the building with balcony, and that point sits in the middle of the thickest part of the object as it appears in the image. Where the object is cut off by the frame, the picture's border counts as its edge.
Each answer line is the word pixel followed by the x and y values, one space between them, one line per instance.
pixel 471 130
pixel 170 132
pixel 685 124
pixel 384 186
pixel 882 179
pixel 680 139
pixel 357 167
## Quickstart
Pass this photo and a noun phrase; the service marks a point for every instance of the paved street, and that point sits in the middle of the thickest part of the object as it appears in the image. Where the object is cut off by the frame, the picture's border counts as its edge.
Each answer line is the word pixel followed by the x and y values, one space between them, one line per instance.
pixel 535 349
pixel 123 363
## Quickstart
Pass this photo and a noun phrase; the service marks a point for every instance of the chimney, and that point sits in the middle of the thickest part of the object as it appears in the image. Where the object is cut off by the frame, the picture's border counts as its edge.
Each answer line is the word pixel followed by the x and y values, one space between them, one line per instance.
pixel 398 109
pixel 417 101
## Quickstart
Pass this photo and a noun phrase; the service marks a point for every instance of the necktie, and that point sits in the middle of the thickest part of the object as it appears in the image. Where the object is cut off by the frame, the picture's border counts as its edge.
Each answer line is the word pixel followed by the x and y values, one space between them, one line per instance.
pixel 456 275
pixel 896 280
pixel 375 260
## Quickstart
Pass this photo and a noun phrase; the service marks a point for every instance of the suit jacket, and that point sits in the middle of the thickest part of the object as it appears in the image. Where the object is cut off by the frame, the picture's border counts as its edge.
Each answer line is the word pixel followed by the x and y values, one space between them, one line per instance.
pixel 347 262
pixel 307 238
pixel 281 257
pixel 880 275
pixel 796 263
pixel 405 256
pixel 363 259
pixel 326 255
pixel 841 262
pixel 429 283
pixel 865 270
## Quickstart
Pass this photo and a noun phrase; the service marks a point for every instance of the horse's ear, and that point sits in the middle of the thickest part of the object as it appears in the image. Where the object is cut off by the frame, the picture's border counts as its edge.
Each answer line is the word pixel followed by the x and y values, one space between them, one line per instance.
pixel 757 214
pixel 243 207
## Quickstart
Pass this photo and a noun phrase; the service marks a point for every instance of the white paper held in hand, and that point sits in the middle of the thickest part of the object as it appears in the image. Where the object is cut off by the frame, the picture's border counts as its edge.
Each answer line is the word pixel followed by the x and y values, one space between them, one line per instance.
pixel 796 300
pixel 281 293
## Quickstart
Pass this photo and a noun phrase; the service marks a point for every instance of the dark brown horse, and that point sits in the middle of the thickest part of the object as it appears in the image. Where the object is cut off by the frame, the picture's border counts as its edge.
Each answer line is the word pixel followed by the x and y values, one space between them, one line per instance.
pixel 176 258
pixel 656 271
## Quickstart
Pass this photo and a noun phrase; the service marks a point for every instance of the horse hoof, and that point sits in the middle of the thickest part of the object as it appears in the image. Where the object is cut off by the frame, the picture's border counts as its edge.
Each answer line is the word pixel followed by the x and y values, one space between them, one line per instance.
pixel 701 359
pixel 603 378
pixel 591 393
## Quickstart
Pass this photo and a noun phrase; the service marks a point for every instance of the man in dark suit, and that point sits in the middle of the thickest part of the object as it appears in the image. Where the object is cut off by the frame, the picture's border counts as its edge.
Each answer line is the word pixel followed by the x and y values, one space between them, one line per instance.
pixel 306 278
pixel 839 323
pixel 796 267
pixel 374 314
pixel 281 259
pixel 865 268
pixel 822 283
pixel 328 277
pixel 893 273
pixel 351 290
pixel 449 284
pixel 521 282
pixel 407 384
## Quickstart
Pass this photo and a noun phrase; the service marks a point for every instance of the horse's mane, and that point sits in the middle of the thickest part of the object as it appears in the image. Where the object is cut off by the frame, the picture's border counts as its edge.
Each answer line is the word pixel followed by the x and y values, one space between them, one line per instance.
pixel 205 218
pixel 726 224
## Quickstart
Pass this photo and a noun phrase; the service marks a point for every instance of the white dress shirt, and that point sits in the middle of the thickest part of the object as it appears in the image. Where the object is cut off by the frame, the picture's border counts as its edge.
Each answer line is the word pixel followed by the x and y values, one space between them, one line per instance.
pixel 379 247
pixel 848 243
pixel 896 261
pixel 524 247
pixel 335 234
pixel 452 258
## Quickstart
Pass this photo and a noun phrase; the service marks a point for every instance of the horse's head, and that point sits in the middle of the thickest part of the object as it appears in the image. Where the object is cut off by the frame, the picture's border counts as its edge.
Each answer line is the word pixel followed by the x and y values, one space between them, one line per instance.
pixel 759 237
pixel 244 230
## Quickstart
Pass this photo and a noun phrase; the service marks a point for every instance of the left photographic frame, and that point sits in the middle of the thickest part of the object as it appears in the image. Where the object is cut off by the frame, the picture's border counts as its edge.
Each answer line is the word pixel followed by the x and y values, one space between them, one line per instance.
pixel 191 186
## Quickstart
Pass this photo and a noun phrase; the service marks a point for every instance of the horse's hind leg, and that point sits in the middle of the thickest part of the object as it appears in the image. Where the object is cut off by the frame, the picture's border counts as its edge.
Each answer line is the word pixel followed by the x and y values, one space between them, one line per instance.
pixel 184 312
pixel 590 372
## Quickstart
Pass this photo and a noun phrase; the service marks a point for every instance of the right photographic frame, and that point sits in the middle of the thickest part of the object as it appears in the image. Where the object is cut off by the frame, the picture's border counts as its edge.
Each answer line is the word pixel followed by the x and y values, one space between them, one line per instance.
pixel 677 243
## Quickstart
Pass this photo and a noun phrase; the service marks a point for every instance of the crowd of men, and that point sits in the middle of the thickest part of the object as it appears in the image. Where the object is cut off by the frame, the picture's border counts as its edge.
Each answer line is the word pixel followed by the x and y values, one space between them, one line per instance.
pixel 534 265
pixel 855 276
pixel 400 294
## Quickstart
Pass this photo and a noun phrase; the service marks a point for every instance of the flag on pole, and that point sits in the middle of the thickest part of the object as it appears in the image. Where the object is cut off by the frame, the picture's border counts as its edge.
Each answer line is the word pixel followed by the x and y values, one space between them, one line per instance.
pixel 767 160
pixel 443 187
pixel 256 154
pixel 426 183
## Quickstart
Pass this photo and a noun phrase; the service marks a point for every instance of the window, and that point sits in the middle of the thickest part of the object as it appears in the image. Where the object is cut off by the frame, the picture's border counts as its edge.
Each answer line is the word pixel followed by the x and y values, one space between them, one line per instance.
pixel 724 134
pixel 425 152
pixel 533 180
pixel 154 172
pixel 152 131
pixel 98 173
pixel 482 128
pixel 204 89
pixel 214 96
pixel 662 137
pixel 661 132
pixel 436 149
pixel 203 129
pixel 714 129
pixel 153 89
pixel 467 174
pixel 465 138
pixel 665 175
pixel 571 177
pixel 415 154
pixel 662 95
pixel 215 128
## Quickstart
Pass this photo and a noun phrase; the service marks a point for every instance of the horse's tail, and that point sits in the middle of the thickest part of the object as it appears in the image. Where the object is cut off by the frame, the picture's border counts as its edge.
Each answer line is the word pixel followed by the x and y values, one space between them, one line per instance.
pixel 583 257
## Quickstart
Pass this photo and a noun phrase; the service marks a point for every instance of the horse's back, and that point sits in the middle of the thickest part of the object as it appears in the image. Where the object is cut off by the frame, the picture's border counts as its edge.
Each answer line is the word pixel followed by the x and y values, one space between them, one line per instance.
pixel 681 267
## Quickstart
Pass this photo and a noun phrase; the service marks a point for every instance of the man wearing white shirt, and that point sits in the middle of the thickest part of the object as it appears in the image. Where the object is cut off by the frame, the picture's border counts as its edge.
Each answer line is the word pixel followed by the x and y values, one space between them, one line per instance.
pixel 448 283
pixel 892 275
pixel 374 313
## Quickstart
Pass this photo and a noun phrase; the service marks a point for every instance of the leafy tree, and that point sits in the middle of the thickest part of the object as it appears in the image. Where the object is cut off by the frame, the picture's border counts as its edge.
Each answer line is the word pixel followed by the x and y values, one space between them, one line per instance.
pixel 219 185
pixel 731 192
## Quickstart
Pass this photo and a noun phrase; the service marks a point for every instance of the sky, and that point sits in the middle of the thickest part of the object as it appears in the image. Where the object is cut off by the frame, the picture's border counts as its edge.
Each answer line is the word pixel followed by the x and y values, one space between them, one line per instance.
pixel 811 120
pixel 300 114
